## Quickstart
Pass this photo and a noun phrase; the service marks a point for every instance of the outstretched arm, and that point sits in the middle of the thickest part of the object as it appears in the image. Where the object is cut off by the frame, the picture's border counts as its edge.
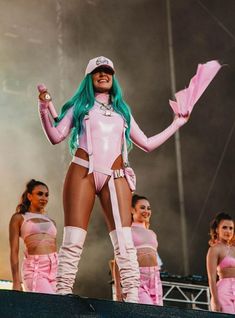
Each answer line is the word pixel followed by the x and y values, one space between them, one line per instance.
pixel 151 143
pixel 54 134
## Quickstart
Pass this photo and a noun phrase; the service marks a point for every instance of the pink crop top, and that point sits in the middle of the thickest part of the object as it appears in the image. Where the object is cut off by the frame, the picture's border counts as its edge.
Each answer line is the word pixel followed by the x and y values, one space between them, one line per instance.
pixel 227 261
pixel 143 237
pixel 42 224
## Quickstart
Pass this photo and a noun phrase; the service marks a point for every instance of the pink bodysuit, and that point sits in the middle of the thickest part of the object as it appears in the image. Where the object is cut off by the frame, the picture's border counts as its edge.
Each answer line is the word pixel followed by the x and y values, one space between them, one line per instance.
pixel 39 271
pixel 106 141
pixel 150 290
pixel 226 286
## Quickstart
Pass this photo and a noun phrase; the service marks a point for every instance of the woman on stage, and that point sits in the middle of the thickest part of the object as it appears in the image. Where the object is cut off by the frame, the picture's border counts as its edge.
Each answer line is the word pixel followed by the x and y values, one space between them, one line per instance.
pixel 145 241
pixel 102 131
pixel 221 262
pixel 38 231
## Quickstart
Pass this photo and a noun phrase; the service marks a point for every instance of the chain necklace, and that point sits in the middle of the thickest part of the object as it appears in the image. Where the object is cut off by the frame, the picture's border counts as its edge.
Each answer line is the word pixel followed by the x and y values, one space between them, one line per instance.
pixel 106 108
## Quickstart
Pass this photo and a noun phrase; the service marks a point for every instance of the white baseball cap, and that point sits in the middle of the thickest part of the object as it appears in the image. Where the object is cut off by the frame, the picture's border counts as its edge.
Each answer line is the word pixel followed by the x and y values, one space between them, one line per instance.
pixel 98 62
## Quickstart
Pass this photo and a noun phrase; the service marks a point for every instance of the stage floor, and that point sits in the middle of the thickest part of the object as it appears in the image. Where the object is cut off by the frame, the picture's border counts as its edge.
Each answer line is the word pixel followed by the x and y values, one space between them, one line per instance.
pixel 24 305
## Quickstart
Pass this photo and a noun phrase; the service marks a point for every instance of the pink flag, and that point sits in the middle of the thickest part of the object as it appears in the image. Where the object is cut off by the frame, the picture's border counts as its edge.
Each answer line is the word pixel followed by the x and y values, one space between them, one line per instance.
pixel 187 98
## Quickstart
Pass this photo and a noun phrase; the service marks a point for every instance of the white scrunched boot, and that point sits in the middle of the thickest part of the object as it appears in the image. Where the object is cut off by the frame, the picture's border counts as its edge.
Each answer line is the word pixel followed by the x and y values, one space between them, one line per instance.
pixel 69 257
pixel 128 266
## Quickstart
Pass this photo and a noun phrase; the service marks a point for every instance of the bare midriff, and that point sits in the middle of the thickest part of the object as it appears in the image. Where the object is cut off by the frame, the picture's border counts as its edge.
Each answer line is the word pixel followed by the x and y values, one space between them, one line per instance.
pixel 146 257
pixel 228 272
pixel 40 244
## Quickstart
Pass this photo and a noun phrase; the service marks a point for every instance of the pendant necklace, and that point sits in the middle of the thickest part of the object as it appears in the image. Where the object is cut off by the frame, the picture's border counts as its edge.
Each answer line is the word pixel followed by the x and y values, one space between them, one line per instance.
pixel 106 108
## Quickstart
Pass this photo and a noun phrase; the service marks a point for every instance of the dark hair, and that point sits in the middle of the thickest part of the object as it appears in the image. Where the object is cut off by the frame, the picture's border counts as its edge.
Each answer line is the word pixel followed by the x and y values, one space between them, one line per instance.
pixel 24 203
pixel 214 225
pixel 136 198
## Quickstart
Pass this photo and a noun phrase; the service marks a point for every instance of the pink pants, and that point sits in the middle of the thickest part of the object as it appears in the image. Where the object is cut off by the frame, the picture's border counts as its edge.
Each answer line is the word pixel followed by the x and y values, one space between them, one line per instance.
pixel 39 273
pixel 226 294
pixel 150 290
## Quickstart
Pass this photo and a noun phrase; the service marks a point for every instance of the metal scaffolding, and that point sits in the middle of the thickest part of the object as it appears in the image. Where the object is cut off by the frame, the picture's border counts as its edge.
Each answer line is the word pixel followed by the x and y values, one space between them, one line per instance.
pixel 196 296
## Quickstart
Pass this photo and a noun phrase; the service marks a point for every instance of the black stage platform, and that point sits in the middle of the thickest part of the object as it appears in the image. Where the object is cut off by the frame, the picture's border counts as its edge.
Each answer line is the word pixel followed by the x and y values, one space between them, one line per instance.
pixel 15 304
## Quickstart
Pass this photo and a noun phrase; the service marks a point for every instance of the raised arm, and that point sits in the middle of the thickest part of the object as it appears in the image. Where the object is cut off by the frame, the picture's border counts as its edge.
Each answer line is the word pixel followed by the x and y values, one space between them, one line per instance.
pixel 14 236
pixel 54 134
pixel 151 143
pixel 211 264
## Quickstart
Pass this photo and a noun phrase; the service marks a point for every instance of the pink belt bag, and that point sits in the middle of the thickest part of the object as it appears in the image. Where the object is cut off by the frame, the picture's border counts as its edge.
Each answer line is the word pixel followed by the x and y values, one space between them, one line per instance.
pixel 128 171
pixel 130 178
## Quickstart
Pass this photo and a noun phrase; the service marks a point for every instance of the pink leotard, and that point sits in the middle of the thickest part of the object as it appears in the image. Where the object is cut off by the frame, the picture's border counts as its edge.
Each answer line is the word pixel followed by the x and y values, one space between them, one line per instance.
pixel 107 137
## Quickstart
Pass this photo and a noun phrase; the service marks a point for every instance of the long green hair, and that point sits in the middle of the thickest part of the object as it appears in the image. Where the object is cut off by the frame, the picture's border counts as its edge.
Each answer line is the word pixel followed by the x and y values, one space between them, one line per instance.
pixel 84 99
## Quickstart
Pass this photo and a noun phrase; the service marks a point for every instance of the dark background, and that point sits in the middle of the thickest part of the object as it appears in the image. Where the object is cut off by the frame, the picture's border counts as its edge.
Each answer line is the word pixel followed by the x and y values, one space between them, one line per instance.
pixel 51 41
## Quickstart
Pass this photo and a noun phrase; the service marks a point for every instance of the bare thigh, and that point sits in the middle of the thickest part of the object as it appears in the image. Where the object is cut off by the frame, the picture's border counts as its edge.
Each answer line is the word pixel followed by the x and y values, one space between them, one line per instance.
pixel 78 196
pixel 124 197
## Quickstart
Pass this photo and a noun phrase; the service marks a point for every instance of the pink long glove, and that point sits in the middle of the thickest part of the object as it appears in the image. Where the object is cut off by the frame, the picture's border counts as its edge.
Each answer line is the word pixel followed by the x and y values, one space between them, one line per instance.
pixel 61 131
pixel 151 143
pixel 187 98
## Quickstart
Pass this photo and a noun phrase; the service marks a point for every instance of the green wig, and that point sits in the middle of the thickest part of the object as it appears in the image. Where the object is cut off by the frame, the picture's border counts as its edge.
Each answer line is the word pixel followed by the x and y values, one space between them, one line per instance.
pixel 84 99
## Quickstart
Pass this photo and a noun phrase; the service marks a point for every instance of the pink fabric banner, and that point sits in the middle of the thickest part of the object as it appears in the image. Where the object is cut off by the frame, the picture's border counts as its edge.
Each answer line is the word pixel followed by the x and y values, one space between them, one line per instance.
pixel 187 98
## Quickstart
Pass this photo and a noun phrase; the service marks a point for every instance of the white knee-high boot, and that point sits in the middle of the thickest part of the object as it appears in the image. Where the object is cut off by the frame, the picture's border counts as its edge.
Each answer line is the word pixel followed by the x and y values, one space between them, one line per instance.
pixel 69 256
pixel 128 265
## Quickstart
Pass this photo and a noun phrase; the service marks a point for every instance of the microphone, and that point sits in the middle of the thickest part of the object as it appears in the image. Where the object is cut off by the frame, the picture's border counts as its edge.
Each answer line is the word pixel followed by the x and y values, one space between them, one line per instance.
pixel 45 96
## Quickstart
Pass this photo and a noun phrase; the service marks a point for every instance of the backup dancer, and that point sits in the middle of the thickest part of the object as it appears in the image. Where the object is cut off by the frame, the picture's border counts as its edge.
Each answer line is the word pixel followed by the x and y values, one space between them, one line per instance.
pixel 101 130
pixel 221 262
pixel 145 241
pixel 146 244
pixel 38 231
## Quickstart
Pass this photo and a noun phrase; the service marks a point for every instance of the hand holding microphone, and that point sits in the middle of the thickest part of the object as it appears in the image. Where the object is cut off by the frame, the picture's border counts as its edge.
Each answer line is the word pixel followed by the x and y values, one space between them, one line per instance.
pixel 45 97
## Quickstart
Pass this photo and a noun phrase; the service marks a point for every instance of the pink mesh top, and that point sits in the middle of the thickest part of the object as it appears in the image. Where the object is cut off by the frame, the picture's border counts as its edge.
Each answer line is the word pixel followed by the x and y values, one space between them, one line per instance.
pixel 143 237
pixel 37 223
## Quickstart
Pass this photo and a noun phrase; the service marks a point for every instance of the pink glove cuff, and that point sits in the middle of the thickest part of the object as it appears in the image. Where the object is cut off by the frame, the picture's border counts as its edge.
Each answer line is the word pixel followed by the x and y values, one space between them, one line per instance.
pixel 43 105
